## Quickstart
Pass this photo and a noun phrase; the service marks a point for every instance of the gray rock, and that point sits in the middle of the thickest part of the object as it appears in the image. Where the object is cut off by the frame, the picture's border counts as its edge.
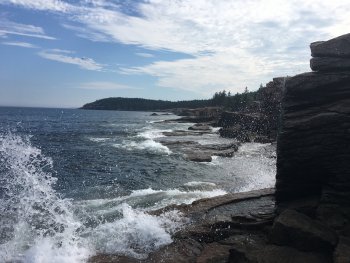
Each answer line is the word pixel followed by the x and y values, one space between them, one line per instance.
pixel 301 232
pixel 278 254
pixel 342 252
pixel 200 128
pixel 316 122
pixel 198 157
pixel 336 47
pixel 330 64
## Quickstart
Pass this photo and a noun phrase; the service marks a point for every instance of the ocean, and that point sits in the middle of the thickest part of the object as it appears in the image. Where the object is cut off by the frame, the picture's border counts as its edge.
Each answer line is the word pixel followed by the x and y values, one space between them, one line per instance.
pixel 75 183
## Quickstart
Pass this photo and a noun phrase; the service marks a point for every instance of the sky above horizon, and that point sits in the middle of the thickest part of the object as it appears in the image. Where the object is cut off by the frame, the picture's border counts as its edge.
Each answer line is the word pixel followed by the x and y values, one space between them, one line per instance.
pixel 56 53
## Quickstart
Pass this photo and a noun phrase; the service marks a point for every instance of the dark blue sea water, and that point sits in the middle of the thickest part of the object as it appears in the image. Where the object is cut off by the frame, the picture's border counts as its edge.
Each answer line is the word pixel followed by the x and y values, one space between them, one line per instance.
pixel 74 183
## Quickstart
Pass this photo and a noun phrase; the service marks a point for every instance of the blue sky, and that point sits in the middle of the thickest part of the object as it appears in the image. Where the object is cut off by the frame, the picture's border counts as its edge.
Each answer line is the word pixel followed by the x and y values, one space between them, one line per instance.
pixel 56 53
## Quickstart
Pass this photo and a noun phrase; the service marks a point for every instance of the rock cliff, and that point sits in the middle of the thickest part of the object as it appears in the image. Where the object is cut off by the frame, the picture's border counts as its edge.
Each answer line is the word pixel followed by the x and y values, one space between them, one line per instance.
pixel 313 149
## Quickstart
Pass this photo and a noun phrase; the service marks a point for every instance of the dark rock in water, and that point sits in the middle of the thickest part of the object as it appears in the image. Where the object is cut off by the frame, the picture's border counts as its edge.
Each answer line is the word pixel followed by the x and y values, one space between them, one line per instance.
pixel 111 259
pixel 336 47
pixel 301 232
pixel 200 128
pixel 198 157
pixel 221 147
pixel 185 133
pixel 154 114
pixel 330 64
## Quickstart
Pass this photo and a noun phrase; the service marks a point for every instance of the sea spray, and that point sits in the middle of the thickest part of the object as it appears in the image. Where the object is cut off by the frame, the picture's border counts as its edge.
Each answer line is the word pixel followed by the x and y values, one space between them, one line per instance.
pixel 137 233
pixel 36 225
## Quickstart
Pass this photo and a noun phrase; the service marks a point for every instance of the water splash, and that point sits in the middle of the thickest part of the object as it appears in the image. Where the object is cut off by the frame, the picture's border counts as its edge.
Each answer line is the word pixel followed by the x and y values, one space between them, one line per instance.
pixel 36 225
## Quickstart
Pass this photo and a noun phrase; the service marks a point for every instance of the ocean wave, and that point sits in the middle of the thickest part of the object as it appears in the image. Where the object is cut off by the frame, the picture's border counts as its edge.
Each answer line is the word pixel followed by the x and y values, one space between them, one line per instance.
pixel 150 199
pixel 150 133
pixel 148 145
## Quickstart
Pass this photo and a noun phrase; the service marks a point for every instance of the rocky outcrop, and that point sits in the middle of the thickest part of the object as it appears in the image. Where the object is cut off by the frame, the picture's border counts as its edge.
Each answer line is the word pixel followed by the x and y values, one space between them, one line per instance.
pixel 244 127
pixel 196 152
pixel 258 124
pixel 313 154
pixel 313 146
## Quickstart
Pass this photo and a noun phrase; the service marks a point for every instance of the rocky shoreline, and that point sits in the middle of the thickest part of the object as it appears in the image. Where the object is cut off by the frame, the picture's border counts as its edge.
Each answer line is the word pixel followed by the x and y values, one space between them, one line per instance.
pixel 306 218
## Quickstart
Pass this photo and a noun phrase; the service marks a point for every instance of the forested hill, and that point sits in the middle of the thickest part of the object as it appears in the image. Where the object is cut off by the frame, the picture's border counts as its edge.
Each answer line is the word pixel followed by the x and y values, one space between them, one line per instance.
pixel 238 102
pixel 136 104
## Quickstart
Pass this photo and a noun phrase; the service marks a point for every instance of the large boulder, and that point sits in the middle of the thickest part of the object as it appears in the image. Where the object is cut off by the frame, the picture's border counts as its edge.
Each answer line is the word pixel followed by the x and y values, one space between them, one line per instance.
pixel 301 232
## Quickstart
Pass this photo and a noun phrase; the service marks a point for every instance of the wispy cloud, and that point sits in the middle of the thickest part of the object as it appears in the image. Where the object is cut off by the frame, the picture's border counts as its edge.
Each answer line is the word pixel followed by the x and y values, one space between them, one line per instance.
pixel 82 62
pixel 103 85
pixel 145 55
pixel 45 5
pixel 233 43
pixel 12 28
pixel 19 44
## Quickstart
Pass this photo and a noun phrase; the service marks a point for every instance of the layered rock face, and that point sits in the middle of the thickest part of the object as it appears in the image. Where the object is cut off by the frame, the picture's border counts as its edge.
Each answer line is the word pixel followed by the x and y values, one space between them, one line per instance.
pixel 313 153
pixel 314 142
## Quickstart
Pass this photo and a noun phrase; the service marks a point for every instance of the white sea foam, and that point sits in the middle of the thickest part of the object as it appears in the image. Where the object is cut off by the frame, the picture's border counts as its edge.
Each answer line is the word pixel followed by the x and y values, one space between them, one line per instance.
pixel 150 133
pixel 96 139
pixel 253 167
pixel 137 233
pixel 196 183
pixel 150 199
pixel 43 227
pixel 147 145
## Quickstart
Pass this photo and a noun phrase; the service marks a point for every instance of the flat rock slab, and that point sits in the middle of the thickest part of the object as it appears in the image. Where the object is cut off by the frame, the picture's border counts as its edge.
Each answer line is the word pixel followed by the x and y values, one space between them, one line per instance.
pixel 297 230
pixel 336 47
pixel 330 64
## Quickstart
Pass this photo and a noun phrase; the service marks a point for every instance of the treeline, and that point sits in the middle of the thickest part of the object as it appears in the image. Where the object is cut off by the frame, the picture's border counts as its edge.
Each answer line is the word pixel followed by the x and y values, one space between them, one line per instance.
pixel 137 104
pixel 237 102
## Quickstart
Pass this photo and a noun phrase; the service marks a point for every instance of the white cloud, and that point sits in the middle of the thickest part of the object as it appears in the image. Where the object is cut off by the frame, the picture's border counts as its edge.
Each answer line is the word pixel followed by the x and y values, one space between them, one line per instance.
pixel 83 62
pixel 20 44
pixel 11 28
pixel 233 43
pixel 145 55
pixel 50 5
pixel 103 85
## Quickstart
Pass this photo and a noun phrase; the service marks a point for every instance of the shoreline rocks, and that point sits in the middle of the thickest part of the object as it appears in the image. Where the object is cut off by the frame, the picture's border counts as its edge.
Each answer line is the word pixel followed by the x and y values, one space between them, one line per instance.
pixel 306 218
